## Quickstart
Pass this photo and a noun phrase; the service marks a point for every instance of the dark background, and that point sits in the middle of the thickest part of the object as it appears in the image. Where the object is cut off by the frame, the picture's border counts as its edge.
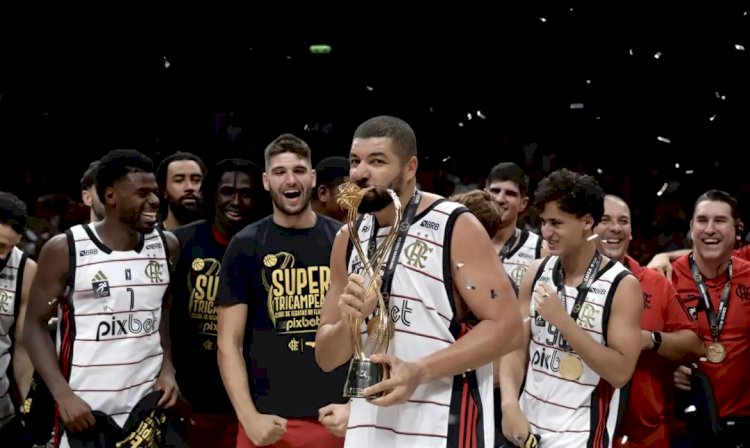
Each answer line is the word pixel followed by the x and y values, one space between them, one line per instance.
pixel 72 89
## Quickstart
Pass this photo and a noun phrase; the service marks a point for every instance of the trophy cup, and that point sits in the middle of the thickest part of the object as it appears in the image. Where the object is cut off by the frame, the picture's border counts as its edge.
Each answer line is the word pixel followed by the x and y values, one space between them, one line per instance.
pixel 380 329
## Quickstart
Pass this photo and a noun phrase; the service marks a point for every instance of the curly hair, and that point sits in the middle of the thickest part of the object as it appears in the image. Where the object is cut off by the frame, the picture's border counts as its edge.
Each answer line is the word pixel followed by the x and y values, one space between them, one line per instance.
pixel 574 193
pixel 480 203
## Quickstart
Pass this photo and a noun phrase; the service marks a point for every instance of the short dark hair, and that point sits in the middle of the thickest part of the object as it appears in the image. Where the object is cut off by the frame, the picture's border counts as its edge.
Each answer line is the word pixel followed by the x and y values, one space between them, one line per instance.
pixel 384 126
pixel 117 164
pixel 575 193
pixel 13 212
pixel 211 184
pixel 331 171
pixel 509 171
pixel 288 143
pixel 719 196
pixel 161 171
pixel 89 176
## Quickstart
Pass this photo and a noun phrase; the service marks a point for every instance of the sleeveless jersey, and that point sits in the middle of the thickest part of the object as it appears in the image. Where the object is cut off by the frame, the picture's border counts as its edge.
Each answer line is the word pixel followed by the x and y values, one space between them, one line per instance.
pixel 108 336
pixel 528 248
pixel 571 413
pixel 444 412
pixel 11 282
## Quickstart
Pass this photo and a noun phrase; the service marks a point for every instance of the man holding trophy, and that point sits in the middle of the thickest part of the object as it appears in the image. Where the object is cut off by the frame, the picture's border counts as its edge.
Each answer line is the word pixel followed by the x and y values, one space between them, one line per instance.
pixel 419 305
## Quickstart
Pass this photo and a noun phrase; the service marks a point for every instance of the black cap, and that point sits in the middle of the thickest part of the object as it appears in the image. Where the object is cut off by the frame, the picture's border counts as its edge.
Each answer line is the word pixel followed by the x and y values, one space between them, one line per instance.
pixel 331 170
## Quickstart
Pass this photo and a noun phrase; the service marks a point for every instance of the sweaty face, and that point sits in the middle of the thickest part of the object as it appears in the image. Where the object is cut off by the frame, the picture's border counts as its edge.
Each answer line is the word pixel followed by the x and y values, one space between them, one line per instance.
pixel 290 180
pixel 614 230
pixel 184 179
pixel 234 203
pixel 373 162
pixel 135 200
pixel 8 240
pixel 564 232
pixel 507 196
pixel 713 230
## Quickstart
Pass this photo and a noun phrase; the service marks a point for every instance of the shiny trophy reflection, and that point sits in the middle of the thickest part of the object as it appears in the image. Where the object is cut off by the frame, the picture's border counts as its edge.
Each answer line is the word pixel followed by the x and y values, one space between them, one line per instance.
pixel 380 329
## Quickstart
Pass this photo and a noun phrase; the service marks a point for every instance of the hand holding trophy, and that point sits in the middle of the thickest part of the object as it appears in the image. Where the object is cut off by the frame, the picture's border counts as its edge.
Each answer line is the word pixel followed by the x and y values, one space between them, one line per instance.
pixel 380 329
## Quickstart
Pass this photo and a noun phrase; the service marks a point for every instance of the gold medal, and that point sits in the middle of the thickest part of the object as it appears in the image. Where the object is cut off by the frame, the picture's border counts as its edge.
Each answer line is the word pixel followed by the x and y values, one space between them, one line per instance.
pixel 715 352
pixel 571 367
pixel 378 330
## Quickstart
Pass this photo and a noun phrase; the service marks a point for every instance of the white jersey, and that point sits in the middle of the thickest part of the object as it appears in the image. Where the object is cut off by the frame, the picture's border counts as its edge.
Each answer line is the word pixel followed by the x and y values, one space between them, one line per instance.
pixel 572 413
pixel 108 334
pixel 11 282
pixel 422 308
pixel 526 249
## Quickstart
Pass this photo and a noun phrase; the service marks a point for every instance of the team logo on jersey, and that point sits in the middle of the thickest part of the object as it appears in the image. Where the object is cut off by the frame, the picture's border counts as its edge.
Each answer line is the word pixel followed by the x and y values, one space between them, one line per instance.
pixel 743 292
pixel 4 302
pixel 100 285
pixel 154 271
pixel 416 253
pixel 588 316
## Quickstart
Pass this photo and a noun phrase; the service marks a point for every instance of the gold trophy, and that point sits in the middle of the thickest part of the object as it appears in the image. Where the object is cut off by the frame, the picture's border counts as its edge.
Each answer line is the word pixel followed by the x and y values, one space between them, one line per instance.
pixel 380 329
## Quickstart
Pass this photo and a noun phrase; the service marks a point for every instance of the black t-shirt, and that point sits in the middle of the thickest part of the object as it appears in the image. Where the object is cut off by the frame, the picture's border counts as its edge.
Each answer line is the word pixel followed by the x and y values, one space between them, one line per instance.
pixel 193 319
pixel 282 275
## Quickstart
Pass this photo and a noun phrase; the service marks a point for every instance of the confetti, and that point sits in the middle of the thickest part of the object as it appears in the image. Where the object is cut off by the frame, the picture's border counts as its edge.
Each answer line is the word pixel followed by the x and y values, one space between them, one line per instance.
pixel 588 81
pixel 480 115
pixel 542 19
pixel 593 237
pixel 446 159
pixel 369 88
pixel 459 265
pixel 460 124
pixel 631 52
pixel 662 190
pixel 677 165
pixel 657 55
pixel 468 115
pixel 470 284
pixel 599 170
pixel 712 118
pixel 739 47
pixel 688 171
pixel 576 105
pixel 167 64
pixel 624 440
pixel 663 139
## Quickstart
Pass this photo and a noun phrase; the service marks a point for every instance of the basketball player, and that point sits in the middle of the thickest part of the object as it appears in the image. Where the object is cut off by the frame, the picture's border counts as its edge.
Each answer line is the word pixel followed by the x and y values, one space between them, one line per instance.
pixel 273 279
pixel 179 177
pixel 713 287
pixel 330 173
pixel 583 337
pixel 88 193
pixel 667 337
pixel 509 186
pixel 16 274
pixel 232 197
pixel 439 393
pixel 110 279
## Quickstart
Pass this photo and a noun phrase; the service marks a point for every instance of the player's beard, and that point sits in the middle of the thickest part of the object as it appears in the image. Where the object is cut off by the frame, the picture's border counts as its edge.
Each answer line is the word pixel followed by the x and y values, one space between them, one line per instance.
pixel 378 198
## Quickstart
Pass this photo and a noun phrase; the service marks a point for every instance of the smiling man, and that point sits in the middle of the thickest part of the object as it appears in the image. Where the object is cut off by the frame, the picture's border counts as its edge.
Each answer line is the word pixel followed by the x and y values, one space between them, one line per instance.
pixel 667 337
pixel 273 280
pixel 234 197
pixel 111 280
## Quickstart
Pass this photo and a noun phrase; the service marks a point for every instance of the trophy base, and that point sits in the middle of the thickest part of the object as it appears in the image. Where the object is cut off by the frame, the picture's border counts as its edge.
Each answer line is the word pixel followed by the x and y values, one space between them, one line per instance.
pixel 362 374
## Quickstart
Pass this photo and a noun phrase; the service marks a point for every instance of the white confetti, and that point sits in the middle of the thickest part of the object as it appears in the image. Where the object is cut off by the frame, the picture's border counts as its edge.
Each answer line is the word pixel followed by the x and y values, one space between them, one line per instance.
pixel 167 64
pixel 662 190
pixel 459 265
pixel 468 115
pixel 480 115
pixel 677 165
pixel 713 117
pixel 739 47
pixel 657 55
pixel 588 81
pixel 542 19
pixel 470 284
pixel 599 170
pixel 370 88
pixel 576 105
pixel 631 52
pixel 460 124
pixel 663 139
pixel 446 159
pixel 624 440
pixel 688 171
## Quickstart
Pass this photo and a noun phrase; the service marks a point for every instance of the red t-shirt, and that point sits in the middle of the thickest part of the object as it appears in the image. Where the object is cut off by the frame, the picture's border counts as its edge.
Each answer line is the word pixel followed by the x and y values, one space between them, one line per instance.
pixel 728 377
pixel 651 392
pixel 743 252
